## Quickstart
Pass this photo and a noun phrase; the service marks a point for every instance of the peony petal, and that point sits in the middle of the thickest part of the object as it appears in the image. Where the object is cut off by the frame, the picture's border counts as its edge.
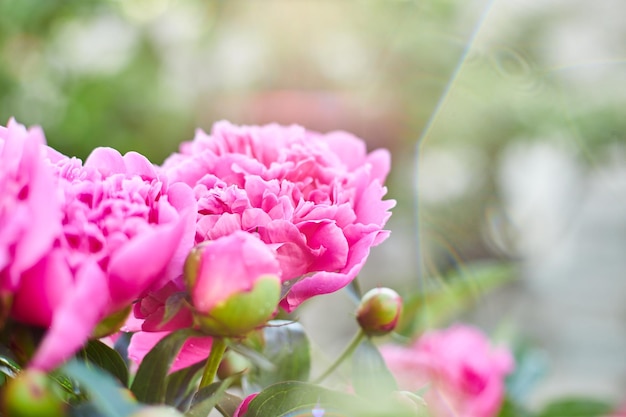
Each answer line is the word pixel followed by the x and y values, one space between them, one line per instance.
pixel 42 290
pixel 139 264
pixel 107 161
pixel 137 164
pixel 194 350
pixel 72 323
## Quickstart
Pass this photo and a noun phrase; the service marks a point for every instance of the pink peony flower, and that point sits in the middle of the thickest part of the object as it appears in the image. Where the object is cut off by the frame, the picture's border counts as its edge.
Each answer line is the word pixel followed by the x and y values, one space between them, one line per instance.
pixel 29 211
pixel 463 376
pixel 118 232
pixel 315 199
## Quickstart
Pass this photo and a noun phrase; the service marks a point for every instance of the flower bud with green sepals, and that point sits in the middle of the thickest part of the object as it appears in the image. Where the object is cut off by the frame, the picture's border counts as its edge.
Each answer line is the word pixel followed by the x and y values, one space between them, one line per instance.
pixel 379 311
pixel 234 284
pixel 31 394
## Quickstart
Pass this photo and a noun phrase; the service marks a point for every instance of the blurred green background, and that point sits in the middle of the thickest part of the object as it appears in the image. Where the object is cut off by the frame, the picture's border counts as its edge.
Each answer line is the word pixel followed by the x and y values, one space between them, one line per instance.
pixel 505 120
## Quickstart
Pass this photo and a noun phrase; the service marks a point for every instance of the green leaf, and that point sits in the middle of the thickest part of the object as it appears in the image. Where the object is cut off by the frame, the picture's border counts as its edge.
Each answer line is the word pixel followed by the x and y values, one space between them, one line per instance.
pixel 106 358
pixel 455 293
pixel 180 382
pixel 287 347
pixel 228 404
pixel 106 394
pixel 295 398
pixel 511 408
pixel 576 407
pixel 8 366
pixel 149 385
pixel 370 376
pixel 208 397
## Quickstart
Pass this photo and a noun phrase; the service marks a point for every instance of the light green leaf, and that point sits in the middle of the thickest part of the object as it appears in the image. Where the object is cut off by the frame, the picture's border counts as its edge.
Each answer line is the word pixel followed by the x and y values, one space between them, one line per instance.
pixel 295 398
pixel 370 376
pixel 106 394
pixel 457 292
pixel 576 407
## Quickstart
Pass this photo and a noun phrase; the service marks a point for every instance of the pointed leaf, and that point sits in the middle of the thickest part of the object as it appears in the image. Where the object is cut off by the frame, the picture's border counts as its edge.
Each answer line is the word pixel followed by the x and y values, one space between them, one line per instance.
pixel 150 381
pixel 106 358
pixel 106 394
pixel 370 376
pixel 179 383
pixel 208 397
pixel 287 347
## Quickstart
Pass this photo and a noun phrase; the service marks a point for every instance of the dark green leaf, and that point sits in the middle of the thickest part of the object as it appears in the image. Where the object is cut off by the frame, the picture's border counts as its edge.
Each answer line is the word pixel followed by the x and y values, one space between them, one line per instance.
pixel 576 407
pixel 8 366
pixel 292 398
pixel 208 397
pixel 179 383
pixel 370 376
pixel 106 394
pixel 287 347
pixel 149 385
pixel 106 358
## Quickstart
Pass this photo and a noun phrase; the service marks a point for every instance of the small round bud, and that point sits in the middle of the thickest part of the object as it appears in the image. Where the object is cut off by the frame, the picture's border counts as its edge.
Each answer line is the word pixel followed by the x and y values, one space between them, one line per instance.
pixel 379 311
pixel 31 394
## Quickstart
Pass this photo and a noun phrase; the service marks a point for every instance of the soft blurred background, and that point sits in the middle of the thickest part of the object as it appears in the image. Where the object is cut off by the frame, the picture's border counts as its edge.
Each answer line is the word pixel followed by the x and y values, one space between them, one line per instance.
pixel 505 120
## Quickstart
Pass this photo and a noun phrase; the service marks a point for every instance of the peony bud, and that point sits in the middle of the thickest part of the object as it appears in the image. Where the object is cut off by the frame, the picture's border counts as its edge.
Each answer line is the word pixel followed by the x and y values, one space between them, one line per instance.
pixel 234 283
pixel 30 394
pixel 379 311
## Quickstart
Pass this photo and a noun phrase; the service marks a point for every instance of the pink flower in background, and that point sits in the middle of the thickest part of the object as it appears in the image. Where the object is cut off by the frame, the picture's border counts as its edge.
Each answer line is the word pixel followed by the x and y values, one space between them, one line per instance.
pixel 29 211
pixel 317 200
pixel 462 375
pixel 121 232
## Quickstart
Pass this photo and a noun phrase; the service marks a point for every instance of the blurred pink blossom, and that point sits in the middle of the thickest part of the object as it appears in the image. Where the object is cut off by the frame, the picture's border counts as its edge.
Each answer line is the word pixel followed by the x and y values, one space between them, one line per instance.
pixel 460 373
pixel 316 199
pixel 113 231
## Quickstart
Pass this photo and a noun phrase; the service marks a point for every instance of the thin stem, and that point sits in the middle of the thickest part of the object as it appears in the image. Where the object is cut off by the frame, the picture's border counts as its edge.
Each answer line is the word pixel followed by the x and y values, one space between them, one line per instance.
pixel 210 370
pixel 344 355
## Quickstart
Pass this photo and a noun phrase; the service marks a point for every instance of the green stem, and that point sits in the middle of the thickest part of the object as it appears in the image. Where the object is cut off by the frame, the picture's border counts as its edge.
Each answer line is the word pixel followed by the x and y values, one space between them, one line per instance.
pixel 344 355
pixel 210 370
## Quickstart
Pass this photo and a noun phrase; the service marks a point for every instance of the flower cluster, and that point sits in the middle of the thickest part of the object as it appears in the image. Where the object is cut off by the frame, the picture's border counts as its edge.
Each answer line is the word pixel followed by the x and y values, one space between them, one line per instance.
pixel 277 213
